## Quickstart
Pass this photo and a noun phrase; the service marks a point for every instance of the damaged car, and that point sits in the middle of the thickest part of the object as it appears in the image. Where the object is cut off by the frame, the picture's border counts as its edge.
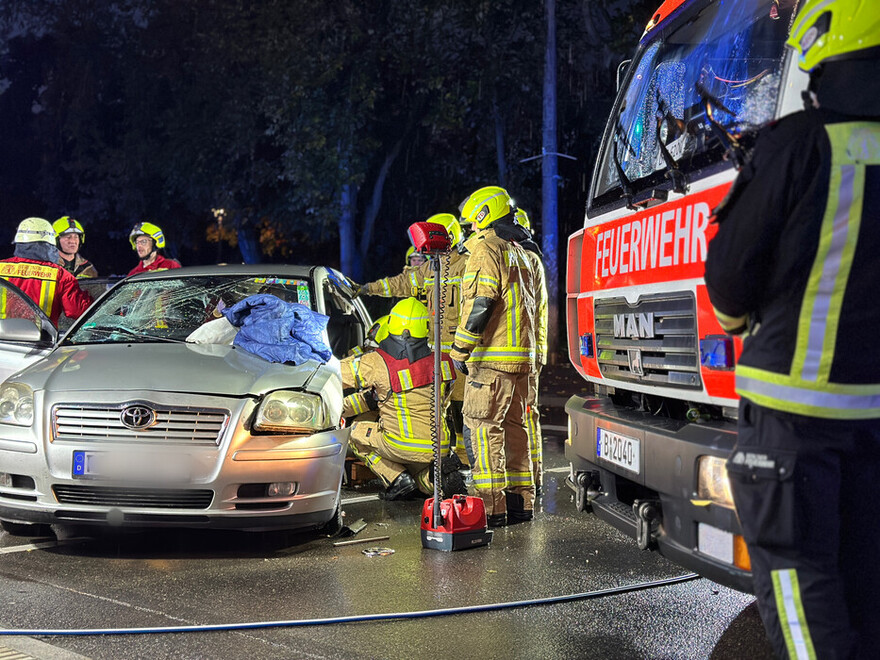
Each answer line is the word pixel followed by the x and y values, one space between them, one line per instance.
pixel 155 409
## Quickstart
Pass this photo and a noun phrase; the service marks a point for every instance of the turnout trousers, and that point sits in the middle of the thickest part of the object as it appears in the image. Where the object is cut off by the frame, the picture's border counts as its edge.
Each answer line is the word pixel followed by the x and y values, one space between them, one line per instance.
pixel 494 413
pixel 804 490
pixel 387 461
pixel 533 427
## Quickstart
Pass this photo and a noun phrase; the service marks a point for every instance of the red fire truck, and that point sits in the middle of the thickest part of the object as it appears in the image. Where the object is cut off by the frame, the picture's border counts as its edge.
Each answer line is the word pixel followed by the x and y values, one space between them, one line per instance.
pixel 647 448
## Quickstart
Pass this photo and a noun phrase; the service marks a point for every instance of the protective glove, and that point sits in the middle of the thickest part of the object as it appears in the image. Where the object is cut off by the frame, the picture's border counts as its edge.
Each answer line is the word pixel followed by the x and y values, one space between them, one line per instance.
pixel 461 366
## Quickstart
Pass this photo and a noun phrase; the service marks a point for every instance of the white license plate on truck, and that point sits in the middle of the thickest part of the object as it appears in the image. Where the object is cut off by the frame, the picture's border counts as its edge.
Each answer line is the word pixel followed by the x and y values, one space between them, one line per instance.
pixel 619 449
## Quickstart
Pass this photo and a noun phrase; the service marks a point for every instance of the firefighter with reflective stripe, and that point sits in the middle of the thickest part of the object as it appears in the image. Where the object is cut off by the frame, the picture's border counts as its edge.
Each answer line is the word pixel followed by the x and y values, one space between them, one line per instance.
pixel 422 279
pixel 533 413
pixel 70 236
pixel 34 269
pixel 361 405
pixel 494 346
pixel 147 239
pixel 400 371
pixel 796 265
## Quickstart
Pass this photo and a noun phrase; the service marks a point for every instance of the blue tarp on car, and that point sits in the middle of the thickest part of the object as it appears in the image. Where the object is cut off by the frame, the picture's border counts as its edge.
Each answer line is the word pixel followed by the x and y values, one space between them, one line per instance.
pixel 279 331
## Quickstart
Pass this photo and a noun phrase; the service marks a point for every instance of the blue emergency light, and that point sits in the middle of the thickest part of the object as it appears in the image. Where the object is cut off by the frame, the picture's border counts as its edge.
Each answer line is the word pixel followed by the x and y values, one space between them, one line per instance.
pixel 717 352
pixel 587 345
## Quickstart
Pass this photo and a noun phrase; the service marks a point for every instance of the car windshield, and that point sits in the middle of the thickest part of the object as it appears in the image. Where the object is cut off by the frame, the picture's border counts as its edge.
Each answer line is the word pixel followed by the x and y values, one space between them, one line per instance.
pixel 171 309
pixel 695 87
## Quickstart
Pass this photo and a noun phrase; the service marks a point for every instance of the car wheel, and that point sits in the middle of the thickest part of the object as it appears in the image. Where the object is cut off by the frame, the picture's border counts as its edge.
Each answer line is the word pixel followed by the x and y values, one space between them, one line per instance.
pixel 25 529
pixel 333 526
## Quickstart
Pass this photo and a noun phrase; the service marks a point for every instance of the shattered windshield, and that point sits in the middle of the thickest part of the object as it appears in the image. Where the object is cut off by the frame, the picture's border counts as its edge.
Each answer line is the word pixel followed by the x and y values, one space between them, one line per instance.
pixel 695 91
pixel 171 309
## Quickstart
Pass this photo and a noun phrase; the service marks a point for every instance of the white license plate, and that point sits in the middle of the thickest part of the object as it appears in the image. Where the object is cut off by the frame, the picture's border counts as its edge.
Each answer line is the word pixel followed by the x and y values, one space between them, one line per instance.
pixel 619 449
pixel 131 466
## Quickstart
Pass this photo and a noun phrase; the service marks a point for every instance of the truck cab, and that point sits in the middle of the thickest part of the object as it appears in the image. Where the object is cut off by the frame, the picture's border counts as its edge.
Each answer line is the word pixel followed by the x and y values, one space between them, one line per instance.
pixel 647 446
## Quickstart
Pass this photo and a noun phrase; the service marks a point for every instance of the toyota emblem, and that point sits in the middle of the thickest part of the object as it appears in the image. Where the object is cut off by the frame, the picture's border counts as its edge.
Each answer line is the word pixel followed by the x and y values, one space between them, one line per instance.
pixel 137 417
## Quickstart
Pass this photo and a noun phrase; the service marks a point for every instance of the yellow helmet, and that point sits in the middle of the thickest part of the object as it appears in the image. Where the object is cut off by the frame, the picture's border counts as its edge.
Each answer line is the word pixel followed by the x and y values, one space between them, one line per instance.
pixel 409 315
pixel 147 229
pixel 379 330
pixel 487 205
pixel 453 226
pixel 838 30
pixel 67 225
pixel 34 230
pixel 522 219
pixel 412 252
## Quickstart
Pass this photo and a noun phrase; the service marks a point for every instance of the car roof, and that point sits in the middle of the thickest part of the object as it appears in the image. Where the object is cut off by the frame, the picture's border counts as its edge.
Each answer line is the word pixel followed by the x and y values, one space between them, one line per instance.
pixel 252 270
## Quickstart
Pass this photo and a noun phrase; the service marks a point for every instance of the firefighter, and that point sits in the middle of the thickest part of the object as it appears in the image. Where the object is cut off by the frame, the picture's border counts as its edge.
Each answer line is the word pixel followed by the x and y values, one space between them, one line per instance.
pixel 399 447
pixel 414 259
pixel 34 269
pixel 421 280
pixel 795 266
pixel 147 239
pixel 533 413
pixel 361 405
pixel 70 237
pixel 494 347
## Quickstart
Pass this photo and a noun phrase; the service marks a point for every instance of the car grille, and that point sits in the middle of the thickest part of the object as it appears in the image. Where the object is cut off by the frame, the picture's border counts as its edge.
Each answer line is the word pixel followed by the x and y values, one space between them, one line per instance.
pixel 183 426
pixel 669 357
pixel 134 497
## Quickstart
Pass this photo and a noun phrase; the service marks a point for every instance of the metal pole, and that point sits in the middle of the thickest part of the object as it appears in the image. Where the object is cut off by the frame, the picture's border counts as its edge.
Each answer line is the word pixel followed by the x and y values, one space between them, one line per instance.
pixel 438 383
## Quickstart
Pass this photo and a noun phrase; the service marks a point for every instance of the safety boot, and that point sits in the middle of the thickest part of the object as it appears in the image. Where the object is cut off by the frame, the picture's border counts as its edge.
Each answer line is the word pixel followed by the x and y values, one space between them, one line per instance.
pixel 401 488
pixel 516 511
pixel 497 520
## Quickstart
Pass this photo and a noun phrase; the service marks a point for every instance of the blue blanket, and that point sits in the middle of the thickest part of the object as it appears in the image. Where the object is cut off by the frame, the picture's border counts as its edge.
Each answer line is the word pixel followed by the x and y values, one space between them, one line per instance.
pixel 279 331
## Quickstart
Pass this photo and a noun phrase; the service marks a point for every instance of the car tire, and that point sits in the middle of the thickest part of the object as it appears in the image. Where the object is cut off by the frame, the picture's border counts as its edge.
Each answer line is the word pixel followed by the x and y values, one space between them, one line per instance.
pixel 25 529
pixel 333 526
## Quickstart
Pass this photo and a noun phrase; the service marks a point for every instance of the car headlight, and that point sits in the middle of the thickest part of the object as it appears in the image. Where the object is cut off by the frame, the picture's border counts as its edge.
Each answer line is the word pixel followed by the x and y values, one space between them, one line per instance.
pixel 288 411
pixel 712 481
pixel 16 404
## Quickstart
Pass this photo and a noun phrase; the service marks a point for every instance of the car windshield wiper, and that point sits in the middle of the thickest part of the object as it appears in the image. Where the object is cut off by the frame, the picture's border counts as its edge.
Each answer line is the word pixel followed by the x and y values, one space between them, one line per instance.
pixel 131 334
pixel 622 178
pixel 736 152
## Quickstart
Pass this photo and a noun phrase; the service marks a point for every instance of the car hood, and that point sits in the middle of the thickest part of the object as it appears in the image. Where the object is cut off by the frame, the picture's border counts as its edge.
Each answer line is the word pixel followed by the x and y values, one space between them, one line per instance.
pixel 190 368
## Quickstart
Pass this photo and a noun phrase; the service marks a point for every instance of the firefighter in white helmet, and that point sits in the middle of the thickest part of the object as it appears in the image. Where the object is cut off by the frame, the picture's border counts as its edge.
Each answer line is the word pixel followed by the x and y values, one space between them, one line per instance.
pixel 795 266
pixel 70 237
pixel 147 240
pixel 400 372
pixel 494 346
pixel 34 269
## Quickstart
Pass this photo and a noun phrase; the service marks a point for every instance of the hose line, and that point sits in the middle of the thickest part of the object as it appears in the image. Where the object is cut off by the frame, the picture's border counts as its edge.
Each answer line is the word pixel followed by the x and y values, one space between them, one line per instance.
pixel 421 614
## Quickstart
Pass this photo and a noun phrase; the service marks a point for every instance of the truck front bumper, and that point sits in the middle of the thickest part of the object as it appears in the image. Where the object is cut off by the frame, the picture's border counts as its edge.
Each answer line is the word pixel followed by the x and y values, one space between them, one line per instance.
pixel 657 504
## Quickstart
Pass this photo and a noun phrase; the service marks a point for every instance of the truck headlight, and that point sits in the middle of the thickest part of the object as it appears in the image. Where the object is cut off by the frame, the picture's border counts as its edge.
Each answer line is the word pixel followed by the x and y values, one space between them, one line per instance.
pixel 16 404
pixel 287 411
pixel 712 481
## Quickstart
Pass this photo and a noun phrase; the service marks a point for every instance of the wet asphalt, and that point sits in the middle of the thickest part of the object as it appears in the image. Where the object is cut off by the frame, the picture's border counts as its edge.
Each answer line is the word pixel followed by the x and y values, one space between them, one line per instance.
pixel 260 588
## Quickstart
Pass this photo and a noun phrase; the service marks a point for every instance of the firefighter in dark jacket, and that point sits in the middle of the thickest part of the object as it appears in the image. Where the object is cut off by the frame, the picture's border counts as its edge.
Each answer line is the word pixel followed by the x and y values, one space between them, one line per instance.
pixel 70 238
pixel 34 270
pixel 795 266
pixel 494 347
pixel 399 447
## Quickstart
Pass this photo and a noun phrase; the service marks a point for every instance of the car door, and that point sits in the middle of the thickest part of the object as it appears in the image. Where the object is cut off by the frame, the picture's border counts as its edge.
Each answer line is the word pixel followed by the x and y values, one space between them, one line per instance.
pixel 26 333
pixel 349 319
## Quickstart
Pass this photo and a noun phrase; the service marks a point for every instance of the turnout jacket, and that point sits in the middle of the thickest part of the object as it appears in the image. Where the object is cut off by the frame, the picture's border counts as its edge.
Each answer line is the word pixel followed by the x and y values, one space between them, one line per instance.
pixel 419 282
pixel 541 318
pixel 497 319
pixel 404 393
pixel 78 267
pixel 51 287
pixel 161 263
pixel 798 249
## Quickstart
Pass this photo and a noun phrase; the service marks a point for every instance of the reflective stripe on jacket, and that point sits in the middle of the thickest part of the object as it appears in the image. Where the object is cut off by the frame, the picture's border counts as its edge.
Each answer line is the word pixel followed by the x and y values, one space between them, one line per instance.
pixel 815 352
pixel 51 287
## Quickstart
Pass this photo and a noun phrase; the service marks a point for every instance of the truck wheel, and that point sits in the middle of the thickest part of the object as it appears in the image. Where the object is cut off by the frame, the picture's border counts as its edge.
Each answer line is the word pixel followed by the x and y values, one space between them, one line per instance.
pixel 25 529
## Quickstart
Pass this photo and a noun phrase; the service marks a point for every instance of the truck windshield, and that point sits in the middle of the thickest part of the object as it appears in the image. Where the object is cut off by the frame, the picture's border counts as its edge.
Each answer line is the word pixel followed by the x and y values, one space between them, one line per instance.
pixel 697 87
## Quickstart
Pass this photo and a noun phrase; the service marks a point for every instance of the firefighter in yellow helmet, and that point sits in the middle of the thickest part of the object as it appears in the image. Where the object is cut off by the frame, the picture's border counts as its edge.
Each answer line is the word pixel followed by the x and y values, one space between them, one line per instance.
pixel 796 261
pixel 414 259
pixel 70 237
pixel 494 346
pixel 361 404
pixel 421 280
pixel 533 414
pixel 399 448
pixel 34 269
pixel 147 239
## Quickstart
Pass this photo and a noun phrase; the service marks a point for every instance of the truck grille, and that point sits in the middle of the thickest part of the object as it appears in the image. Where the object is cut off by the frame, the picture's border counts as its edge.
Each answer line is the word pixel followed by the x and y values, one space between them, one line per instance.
pixel 171 426
pixel 134 497
pixel 653 342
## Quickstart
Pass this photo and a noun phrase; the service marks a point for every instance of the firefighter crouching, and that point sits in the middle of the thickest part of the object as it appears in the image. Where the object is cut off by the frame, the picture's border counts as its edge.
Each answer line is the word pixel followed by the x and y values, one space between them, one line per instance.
pixel 494 346
pixel 533 413
pixel 34 269
pixel 797 262
pixel 399 447
pixel 421 279
pixel 361 405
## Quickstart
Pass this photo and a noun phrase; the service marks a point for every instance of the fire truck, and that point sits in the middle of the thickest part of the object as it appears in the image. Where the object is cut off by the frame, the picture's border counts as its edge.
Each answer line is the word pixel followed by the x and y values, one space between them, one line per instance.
pixel 648 446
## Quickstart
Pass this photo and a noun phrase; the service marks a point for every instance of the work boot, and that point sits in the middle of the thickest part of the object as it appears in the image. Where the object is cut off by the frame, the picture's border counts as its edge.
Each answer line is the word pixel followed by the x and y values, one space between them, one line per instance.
pixel 401 488
pixel 451 479
pixel 516 511
pixel 497 520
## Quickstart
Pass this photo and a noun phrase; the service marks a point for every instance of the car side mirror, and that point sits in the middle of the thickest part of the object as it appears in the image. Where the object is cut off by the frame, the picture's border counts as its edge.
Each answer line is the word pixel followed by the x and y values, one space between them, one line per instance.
pixel 19 330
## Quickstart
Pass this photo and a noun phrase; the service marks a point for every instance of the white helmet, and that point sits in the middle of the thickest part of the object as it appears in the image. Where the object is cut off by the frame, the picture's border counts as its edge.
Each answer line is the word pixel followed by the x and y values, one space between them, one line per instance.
pixel 34 230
